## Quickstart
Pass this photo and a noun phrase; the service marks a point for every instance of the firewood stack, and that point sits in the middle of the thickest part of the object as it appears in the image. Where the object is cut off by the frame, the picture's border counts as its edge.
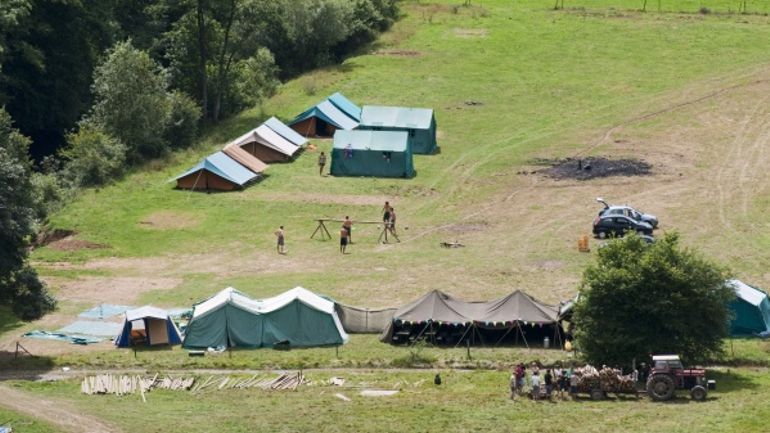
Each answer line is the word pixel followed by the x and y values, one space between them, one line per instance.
pixel 607 379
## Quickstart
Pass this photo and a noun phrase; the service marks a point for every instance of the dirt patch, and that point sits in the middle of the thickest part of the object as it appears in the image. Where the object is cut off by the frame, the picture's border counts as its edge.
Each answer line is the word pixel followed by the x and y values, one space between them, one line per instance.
pixel 50 236
pixel 113 290
pixel 166 220
pixel 466 227
pixel 470 33
pixel 71 243
pixel 398 53
pixel 591 168
pixel 56 412
pixel 343 199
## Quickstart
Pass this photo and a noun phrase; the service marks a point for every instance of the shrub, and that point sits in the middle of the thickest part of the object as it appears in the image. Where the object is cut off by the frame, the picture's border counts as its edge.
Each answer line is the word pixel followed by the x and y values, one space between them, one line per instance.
pixel 94 156
pixel 182 128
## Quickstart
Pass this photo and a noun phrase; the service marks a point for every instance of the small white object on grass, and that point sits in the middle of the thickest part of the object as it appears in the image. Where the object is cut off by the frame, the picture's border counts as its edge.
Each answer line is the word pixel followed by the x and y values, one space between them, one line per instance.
pixel 341 397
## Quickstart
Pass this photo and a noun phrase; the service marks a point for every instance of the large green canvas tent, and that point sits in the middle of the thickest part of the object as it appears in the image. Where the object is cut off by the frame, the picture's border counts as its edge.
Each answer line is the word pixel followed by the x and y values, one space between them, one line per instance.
pixel 419 123
pixel 371 153
pixel 297 317
pixel 750 308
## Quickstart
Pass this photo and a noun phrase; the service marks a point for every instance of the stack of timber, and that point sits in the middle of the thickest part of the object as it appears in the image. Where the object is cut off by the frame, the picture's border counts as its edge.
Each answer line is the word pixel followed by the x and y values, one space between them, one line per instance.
pixel 121 385
pixel 607 379
pixel 284 381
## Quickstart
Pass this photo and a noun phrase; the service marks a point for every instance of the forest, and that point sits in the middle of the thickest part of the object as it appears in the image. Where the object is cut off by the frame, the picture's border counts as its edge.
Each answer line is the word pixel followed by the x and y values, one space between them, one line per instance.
pixel 89 88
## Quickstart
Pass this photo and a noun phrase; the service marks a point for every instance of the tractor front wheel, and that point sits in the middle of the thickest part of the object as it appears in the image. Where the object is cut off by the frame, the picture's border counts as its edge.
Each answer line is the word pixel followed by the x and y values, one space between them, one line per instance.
pixel 698 393
pixel 661 387
pixel 597 394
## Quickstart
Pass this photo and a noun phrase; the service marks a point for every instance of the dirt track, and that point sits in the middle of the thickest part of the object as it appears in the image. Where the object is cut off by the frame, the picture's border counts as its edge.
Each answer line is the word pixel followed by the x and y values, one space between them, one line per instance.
pixel 57 413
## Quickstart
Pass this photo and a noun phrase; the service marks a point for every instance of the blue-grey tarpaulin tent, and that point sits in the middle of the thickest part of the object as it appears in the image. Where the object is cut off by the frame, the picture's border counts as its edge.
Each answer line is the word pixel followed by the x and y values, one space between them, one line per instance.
pixel 420 123
pixel 284 131
pixel 346 105
pixel 148 326
pixel 217 171
pixel 326 117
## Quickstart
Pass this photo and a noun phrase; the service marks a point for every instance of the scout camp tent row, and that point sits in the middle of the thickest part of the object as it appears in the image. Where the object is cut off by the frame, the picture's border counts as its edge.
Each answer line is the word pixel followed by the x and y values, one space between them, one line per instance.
pixel 443 319
pixel 244 159
pixel 370 141
pixel 296 318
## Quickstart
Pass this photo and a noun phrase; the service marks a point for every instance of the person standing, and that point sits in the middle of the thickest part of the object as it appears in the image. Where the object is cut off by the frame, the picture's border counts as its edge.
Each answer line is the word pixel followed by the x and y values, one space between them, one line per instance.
pixel 386 213
pixel 348 225
pixel 535 385
pixel 280 237
pixel 548 383
pixel 392 224
pixel 573 383
pixel 343 240
pixel 321 163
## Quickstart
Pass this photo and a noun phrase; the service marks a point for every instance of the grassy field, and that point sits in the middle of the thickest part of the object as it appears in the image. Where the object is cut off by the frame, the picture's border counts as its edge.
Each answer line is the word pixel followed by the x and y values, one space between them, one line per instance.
pixel 510 82
pixel 24 423
pixel 739 405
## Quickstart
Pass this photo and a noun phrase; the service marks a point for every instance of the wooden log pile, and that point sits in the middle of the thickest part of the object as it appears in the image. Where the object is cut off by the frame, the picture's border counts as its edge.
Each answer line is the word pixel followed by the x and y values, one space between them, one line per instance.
pixel 284 381
pixel 122 385
pixel 607 379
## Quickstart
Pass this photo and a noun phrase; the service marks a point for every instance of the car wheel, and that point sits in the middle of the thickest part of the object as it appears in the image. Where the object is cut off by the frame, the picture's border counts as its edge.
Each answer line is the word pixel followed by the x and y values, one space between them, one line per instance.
pixel 602 235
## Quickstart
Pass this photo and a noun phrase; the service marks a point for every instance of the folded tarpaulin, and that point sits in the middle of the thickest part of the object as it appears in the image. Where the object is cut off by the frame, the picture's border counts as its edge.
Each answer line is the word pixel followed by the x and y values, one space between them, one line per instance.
pixel 92 328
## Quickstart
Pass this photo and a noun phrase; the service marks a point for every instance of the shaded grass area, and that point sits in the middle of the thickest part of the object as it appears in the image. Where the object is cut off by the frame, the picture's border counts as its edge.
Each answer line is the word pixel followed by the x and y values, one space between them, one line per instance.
pixel 24 423
pixel 466 401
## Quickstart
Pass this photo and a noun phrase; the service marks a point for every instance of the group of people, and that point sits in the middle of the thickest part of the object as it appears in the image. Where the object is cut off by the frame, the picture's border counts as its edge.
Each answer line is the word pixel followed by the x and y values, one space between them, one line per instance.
pixel 346 231
pixel 543 384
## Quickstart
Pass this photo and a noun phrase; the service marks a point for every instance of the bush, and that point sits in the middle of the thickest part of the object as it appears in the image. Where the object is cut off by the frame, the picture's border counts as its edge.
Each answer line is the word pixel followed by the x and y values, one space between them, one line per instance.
pixel 256 77
pixel 31 300
pixel 182 128
pixel 95 158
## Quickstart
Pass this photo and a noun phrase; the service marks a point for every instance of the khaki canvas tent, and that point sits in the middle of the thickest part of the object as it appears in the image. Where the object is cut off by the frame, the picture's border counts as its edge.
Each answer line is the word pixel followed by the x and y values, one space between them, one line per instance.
pixel 148 326
pixel 443 319
pixel 216 172
pixel 297 318
pixel 267 145
pixel 245 158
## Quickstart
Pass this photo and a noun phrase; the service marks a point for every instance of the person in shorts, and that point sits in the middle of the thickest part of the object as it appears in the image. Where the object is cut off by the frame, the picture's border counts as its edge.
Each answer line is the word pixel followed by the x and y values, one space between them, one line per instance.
pixel 573 381
pixel 280 236
pixel 535 385
pixel 321 163
pixel 343 240
pixel 348 225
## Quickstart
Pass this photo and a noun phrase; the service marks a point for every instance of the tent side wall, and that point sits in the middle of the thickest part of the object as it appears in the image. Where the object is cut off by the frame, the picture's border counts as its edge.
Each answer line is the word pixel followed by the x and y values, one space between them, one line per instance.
pixel 157 331
pixel 264 153
pixel 371 163
pixel 209 330
pixel 205 180
pixel 244 328
pixel 310 128
pixel 422 141
pixel 301 325
pixel 748 318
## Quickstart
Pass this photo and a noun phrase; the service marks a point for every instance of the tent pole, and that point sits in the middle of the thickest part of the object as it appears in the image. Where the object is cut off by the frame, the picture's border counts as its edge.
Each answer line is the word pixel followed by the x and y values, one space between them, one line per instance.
pixel 194 184
pixel 504 335
pixel 480 337
pixel 420 334
pixel 523 337
pixel 462 337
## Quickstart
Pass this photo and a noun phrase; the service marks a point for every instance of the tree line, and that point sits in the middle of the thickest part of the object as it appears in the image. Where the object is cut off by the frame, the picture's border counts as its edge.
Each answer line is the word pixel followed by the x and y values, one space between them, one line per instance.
pixel 89 88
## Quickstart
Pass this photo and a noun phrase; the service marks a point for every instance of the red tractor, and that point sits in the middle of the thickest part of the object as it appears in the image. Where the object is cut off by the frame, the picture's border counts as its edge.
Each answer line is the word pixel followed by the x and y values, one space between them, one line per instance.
pixel 668 375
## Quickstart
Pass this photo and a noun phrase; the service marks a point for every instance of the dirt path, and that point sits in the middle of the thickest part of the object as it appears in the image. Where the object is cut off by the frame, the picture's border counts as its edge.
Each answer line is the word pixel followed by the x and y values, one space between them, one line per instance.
pixel 54 412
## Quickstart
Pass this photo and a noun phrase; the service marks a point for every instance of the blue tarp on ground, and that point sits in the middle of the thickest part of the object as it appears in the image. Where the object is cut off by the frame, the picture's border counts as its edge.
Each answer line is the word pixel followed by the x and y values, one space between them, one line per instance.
pixel 74 339
pixel 224 167
pixel 92 328
pixel 104 311
pixel 284 131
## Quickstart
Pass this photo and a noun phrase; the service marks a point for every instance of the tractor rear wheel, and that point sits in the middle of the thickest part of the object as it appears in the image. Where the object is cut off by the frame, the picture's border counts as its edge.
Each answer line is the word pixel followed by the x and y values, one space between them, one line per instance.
pixel 698 393
pixel 661 387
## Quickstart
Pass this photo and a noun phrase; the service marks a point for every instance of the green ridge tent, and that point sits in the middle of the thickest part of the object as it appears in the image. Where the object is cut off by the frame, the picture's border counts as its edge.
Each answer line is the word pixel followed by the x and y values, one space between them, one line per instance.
pixel 371 153
pixel 419 123
pixel 231 319
pixel 751 310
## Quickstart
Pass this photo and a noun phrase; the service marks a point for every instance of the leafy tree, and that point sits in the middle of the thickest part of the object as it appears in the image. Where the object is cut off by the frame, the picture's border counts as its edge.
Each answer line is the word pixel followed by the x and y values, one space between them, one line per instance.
pixel 184 115
pixel 256 77
pixel 94 157
pixel 19 212
pixel 640 299
pixel 131 101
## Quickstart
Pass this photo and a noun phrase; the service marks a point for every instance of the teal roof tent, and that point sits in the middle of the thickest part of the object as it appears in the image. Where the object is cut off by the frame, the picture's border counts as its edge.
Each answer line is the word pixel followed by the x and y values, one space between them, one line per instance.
pixel 420 123
pixel 326 117
pixel 346 105
pixel 750 308
pixel 216 172
pixel 284 131
pixel 372 153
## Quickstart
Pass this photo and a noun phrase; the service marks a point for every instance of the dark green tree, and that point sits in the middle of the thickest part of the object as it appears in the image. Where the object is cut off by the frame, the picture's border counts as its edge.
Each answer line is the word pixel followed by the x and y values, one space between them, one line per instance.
pixel 640 299
pixel 19 211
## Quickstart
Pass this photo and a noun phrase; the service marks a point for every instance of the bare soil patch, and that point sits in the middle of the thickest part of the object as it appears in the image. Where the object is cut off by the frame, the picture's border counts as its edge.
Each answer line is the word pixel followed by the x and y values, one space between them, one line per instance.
pixel 167 220
pixel 398 53
pixel 114 290
pixel 56 412
pixel 592 168
pixel 470 33
pixel 466 227
pixel 49 236
pixel 72 243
